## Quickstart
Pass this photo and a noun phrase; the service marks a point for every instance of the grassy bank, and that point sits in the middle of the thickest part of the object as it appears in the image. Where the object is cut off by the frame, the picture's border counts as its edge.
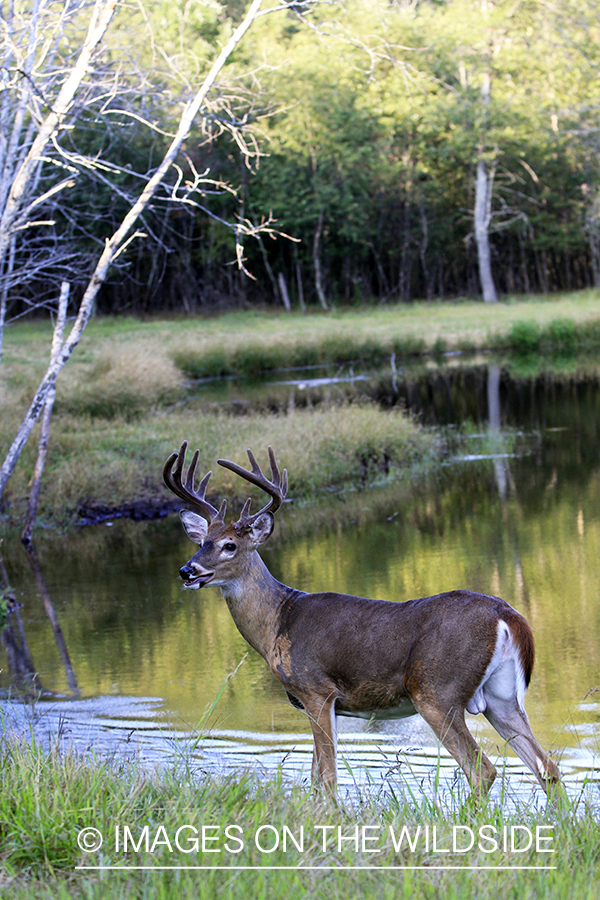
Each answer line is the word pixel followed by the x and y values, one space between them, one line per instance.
pixel 46 799
pixel 96 463
pixel 256 341
pixel 123 403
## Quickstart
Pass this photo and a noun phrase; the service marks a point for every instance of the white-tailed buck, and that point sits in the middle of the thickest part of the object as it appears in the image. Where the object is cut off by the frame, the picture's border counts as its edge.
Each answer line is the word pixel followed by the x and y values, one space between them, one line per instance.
pixel 337 654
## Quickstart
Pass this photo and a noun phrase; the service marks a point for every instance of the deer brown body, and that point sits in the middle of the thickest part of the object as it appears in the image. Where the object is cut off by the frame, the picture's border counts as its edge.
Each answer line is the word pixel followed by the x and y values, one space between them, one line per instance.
pixel 337 654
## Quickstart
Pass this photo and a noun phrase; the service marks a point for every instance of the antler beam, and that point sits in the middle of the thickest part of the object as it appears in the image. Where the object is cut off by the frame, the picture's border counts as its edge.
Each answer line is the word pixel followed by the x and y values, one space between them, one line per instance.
pixel 172 476
pixel 276 488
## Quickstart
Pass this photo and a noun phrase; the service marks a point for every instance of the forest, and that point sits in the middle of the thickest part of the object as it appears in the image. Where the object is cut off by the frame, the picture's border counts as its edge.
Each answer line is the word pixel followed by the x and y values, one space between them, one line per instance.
pixel 349 153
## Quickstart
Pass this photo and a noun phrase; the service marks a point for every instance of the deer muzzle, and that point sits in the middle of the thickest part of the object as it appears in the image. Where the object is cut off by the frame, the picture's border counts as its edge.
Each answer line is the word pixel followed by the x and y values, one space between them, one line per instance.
pixel 195 576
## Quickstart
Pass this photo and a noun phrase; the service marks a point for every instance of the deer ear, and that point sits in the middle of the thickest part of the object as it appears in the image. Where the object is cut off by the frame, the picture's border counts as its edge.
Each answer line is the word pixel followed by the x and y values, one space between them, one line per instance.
pixel 194 525
pixel 262 528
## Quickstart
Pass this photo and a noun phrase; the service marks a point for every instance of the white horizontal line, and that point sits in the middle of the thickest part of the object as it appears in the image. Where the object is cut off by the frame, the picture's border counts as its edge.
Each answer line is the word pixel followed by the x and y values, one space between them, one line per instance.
pixel 317 868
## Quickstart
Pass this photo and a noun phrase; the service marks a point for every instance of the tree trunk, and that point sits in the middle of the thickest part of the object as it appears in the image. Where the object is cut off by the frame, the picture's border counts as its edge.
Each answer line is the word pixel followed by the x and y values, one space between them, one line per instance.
pixel 483 203
pixel 13 210
pixel 299 281
pixel 405 259
pixel 423 250
pixel 284 292
pixel 4 291
pixel 36 483
pixel 317 262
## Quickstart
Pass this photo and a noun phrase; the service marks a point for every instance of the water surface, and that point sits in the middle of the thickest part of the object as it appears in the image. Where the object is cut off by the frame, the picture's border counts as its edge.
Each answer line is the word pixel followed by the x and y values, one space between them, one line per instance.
pixel 515 512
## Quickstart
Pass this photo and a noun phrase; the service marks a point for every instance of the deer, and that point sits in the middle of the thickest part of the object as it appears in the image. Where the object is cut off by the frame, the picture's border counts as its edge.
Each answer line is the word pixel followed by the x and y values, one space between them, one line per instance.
pixel 337 654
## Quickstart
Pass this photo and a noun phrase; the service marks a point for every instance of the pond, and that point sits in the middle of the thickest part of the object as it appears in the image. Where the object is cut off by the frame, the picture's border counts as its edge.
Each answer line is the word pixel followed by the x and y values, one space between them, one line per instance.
pixel 126 661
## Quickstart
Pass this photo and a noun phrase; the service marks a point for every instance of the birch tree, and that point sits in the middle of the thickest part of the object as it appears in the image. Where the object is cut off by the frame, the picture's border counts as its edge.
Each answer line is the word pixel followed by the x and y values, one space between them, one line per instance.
pixel 23 199
pixel 36 99
pixel 482 214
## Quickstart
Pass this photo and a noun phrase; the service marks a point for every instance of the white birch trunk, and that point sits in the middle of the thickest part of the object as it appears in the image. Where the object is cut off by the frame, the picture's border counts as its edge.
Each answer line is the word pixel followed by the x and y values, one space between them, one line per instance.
pixel 484 184
pixel 483 204
pixel 118 242
pixel 284 292
pixel 103 12
pixel 36 482
pixel 317 263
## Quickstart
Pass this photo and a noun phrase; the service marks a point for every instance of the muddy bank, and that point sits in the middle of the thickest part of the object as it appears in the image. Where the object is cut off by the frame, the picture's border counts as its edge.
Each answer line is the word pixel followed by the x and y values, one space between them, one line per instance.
pixel 139 511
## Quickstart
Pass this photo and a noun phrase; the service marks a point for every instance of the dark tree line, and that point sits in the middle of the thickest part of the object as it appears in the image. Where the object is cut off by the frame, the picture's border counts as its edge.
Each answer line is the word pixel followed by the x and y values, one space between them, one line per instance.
pixel 361 132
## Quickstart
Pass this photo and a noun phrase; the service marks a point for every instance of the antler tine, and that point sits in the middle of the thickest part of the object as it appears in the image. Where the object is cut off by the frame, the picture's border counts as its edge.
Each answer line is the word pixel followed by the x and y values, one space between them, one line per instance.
pixel 172 476
pixel 276 488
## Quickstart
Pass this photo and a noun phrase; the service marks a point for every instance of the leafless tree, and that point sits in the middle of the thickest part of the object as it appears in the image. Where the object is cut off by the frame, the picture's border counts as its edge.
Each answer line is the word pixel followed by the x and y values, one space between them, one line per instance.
pixel 484 186
pixel 32 144
pixel 42 88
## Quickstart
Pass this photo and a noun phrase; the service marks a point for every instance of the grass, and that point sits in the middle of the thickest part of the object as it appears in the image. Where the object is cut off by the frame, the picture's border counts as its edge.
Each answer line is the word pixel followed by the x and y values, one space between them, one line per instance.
pixel 94 462
pixel 254 341
pixel 47 798
pixel 123 403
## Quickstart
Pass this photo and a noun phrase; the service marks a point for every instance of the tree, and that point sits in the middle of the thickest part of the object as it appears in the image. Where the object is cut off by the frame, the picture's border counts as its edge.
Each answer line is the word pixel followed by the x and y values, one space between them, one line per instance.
pixel 439 145
pixel 22 199
pixel 31 41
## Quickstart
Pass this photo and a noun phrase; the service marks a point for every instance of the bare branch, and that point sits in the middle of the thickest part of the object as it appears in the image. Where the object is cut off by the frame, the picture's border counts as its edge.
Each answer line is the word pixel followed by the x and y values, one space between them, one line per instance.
pixel 122 236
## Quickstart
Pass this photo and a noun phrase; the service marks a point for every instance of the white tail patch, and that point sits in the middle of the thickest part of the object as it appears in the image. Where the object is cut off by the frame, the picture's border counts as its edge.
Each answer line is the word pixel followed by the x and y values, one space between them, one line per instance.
pixel 504 678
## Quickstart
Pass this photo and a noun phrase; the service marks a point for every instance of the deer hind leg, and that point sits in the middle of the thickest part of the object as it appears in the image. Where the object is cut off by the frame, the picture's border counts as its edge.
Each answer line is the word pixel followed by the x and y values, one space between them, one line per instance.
pixel 511 723
pixel 321 714
pixel 451 729
pixel 503 707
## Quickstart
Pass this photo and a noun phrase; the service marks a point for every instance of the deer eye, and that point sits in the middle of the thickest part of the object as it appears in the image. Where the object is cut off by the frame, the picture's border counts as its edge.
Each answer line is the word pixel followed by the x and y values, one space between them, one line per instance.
pixel 229 547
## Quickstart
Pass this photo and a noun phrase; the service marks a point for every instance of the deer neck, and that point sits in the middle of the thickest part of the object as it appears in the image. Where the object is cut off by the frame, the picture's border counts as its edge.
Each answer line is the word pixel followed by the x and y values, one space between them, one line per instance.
pixel 254 599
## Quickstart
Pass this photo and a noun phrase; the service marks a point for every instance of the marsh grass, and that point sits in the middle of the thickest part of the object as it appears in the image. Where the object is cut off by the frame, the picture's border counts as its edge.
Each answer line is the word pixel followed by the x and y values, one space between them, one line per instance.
pixel 125 381
pixel 290 351
pixel 559 336
pixel 98 463
pixel 122 401
pixel 255 341
pixel 46 797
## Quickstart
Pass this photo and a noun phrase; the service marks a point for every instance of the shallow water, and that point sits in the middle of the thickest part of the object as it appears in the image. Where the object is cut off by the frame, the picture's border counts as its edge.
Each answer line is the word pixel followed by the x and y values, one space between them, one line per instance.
pixel 515 513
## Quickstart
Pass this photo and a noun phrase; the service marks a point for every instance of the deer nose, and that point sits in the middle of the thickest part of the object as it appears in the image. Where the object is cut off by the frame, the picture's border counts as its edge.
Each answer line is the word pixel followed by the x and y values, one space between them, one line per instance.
pixel 186 572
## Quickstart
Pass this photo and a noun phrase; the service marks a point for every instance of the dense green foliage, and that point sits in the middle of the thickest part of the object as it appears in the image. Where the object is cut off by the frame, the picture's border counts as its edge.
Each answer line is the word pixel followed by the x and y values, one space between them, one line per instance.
pixel 371 153
pixel 383 139
pixel 357 129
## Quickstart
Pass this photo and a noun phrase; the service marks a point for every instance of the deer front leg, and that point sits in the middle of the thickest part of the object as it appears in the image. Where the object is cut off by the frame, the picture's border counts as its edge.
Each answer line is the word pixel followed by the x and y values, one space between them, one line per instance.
pixel 321 715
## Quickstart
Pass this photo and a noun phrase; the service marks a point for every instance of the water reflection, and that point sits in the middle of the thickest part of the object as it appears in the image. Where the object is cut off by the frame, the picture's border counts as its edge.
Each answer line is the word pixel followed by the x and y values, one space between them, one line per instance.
pixel 527 530
pixel 44 594
pixel 12 636
pixel 404 761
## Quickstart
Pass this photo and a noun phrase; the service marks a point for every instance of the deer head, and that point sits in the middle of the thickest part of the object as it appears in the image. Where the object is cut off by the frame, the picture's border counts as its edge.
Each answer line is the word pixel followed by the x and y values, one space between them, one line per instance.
pixel 223 548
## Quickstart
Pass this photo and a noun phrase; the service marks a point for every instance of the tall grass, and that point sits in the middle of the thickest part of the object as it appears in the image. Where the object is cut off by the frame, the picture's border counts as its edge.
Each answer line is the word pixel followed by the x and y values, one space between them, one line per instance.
pixel 256 357
pixel 255 341
pixel 558 336
pixel 121 402
pixel 46 798
pixel 124 381
pixel 98 463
